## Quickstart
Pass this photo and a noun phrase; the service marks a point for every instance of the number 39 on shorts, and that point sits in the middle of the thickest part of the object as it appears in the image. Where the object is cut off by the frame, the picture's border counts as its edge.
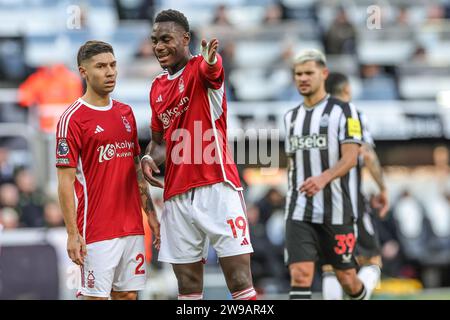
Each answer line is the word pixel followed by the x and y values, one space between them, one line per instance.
pixel 238 223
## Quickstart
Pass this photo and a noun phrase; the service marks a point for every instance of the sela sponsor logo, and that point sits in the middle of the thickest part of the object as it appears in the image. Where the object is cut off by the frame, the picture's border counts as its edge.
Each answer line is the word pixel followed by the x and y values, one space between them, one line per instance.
pixel 63 148
pixel 115 150
pixel 315 141
pixel 168 116
pixel 126 124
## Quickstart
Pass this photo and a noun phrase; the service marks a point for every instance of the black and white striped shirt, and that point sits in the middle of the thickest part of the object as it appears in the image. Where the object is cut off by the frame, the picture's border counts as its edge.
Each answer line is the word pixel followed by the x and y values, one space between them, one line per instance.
pixel 313 139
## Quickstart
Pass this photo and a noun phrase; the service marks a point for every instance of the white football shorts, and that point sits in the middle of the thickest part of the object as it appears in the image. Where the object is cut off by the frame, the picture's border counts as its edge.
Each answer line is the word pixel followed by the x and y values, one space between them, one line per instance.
pixel 114 265
pixel 213 214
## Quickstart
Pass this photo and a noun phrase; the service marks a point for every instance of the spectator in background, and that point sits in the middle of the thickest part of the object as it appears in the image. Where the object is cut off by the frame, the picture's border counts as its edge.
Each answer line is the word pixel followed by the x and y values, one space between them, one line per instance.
pixel 228 59
pixel 6 168
pixel 221 16
pixel 273 14
pixel 53 215
pixel 50 89
pixel 402 18
pixel 31 200
pixel 341 36
pixel 9 200
pixel 9 196
pixel 9 219
pixel 377 84
pixel 273 200
pixel 142 9
pixel 435 12
pixel 419 55
pixel 145 64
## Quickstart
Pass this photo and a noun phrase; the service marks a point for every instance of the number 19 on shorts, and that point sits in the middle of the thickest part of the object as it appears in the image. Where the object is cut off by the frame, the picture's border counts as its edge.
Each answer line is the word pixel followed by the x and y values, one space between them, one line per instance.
pixel 238 223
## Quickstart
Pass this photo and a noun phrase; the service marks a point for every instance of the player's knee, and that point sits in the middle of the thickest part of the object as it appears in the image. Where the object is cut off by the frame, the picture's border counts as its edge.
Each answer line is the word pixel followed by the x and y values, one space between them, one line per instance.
pixel 239 280
pixel 327 268
pixel 348 280
pixel 124 295
pixel 301 276
pixel 366 261
pixel 189 282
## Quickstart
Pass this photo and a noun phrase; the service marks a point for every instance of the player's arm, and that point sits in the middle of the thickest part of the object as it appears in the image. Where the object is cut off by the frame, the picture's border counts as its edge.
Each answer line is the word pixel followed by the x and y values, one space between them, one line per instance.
pixel 211 68
pixel 147 203
pixel 76 246
pixel 372 163
pixel 348 160
pixel 155 155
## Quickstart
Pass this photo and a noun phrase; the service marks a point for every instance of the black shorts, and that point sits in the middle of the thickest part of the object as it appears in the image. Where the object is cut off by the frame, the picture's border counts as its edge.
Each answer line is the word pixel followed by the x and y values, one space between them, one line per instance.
pixel 368 243
pixel 332 244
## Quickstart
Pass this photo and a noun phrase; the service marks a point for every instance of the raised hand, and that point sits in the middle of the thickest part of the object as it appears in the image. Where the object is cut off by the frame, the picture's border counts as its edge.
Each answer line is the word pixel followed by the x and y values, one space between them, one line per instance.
pixel 209 50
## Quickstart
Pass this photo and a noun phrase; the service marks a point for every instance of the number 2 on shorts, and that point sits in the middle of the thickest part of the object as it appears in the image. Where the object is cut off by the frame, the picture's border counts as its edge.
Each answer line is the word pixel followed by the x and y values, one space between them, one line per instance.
pixel 239 223
pixel 138 270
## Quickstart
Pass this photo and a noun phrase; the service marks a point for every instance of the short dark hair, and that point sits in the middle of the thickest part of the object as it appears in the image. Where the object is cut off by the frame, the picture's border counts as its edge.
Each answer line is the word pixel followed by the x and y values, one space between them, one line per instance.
pixel 171 15
pixel 92 48
pixel 335 83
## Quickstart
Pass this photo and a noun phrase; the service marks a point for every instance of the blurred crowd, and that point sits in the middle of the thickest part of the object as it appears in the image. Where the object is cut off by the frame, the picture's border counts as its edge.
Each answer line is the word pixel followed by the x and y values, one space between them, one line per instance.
pixel 22 203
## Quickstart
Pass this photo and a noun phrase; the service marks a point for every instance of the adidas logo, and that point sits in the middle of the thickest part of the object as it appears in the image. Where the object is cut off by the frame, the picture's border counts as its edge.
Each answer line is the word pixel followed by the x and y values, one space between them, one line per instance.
pixel 99 129
pixel 245 242
pixel 159 99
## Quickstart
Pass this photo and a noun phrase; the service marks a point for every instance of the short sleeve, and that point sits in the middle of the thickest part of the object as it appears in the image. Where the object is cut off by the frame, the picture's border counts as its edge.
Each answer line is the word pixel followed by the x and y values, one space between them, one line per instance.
pixel 137 147
pixel 366 135
pixel 155 123
pixel 68 142
pixel 212 76
pixel 349 125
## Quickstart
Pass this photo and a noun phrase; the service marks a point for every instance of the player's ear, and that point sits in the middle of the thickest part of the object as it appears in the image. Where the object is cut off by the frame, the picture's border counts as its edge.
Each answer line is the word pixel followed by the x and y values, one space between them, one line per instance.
pixel 325 73
pixel 186 38
pixel 82 71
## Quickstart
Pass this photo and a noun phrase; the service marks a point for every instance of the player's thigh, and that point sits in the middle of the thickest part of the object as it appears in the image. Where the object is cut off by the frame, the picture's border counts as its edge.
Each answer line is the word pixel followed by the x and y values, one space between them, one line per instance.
pixel 302 242
pixel 100 263
pixel 219 210
pixel 337 244
pixel 182 242
pixel 131 272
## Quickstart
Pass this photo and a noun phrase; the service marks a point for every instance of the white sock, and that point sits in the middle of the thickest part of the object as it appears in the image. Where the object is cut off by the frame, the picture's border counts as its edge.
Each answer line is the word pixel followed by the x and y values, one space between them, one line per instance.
pixel 370 276
pixel 331 288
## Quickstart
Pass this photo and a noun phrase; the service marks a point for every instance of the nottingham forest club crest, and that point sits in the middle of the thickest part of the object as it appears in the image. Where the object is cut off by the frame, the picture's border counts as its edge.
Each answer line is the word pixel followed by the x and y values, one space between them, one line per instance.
pixel 63 148
pixel 181 85
pixel 126 124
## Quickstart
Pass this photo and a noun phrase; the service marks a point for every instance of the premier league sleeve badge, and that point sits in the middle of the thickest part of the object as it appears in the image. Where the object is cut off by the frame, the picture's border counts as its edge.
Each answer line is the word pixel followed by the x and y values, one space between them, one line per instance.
pixel 63 148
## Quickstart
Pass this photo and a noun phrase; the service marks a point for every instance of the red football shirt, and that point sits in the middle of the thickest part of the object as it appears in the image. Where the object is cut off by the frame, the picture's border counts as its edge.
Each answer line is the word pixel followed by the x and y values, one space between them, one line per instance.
pixel 101 142
pixel 190 109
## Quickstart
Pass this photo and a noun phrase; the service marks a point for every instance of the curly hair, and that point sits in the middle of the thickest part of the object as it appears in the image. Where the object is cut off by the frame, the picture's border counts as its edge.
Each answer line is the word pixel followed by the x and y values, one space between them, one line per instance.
pixel 171 15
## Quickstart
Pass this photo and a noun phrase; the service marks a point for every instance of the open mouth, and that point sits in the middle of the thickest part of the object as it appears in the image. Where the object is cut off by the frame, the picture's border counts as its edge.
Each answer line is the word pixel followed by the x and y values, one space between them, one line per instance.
pixel 163 56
